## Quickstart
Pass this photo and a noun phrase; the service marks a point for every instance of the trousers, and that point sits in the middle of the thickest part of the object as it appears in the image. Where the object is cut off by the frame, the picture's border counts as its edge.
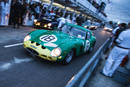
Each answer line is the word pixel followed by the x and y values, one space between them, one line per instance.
pixel 114 60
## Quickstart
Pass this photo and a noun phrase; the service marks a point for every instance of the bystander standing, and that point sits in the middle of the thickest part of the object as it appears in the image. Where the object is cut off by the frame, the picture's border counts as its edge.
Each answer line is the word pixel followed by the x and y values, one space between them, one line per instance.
pixel 16 13
pixel 80 20
pixel 118 53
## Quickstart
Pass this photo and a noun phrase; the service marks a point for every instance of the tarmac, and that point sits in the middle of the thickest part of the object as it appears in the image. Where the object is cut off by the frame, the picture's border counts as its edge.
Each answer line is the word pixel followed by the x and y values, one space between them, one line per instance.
pixel 99 80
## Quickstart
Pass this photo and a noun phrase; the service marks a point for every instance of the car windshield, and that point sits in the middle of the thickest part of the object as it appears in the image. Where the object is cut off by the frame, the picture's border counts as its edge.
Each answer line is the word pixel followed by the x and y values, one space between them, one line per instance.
pixel 74 32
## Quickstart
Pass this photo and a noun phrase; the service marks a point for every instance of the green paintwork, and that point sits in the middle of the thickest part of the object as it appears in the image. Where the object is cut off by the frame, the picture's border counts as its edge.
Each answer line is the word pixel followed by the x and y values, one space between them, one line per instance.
pixel 64 41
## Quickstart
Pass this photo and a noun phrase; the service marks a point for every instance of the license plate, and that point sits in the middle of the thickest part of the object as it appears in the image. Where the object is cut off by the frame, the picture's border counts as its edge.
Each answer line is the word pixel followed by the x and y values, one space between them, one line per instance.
pixel 33 47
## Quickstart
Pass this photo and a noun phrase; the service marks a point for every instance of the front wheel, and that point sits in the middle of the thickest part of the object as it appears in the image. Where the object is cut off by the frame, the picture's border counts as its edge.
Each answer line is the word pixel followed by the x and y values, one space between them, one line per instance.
pixel 69 57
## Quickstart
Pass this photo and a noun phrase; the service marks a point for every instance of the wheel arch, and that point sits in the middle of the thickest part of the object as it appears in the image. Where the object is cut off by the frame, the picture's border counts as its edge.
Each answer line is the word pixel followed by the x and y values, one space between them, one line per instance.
pixel 75 51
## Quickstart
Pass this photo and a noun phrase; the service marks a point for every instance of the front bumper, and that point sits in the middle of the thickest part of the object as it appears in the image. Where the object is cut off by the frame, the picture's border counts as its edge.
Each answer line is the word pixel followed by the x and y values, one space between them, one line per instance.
pixel 39 50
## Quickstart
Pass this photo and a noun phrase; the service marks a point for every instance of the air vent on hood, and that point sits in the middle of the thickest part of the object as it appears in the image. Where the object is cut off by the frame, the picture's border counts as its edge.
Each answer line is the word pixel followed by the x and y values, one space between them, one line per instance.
pixel 32 41
pixel 37 44
pixel 43 47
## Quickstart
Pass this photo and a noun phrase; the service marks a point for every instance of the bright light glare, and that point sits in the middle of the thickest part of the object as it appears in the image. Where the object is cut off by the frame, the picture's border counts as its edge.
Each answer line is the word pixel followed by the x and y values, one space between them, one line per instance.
pixel 56 52
pixel 49 24
pixel 27 38
pixel 35 20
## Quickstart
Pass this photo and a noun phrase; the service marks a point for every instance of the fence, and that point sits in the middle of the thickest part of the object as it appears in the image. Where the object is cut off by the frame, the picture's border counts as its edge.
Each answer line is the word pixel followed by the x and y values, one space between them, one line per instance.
pixel 80 79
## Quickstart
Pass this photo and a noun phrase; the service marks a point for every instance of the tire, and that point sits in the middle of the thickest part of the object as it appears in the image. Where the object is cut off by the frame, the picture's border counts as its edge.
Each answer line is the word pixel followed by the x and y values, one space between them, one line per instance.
pixel 68 57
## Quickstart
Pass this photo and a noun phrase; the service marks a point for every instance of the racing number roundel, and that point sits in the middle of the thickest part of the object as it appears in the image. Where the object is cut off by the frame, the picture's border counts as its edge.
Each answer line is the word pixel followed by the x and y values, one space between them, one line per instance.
pixel 87 46
pixel 48 38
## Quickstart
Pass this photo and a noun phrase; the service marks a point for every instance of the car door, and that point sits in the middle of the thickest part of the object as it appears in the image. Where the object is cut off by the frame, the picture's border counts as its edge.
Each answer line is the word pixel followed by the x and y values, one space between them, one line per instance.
pixel 87 42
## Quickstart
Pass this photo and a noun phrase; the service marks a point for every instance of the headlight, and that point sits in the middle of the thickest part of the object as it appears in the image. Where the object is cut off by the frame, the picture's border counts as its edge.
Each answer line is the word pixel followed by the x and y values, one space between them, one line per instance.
pixel 38 23
pixel 110 29
pixel 35 20
pixel 105 28
pixel 45 25
pixel 27 38
pixel 56 52
pixel 49 24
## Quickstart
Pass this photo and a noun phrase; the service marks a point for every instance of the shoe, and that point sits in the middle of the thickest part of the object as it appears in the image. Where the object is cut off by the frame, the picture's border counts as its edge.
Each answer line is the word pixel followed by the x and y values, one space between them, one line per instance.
pixel 102 73
pixel 105 75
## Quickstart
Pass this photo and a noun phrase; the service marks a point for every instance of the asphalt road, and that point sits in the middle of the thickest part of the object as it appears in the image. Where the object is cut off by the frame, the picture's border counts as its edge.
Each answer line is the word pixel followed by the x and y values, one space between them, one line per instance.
pixel 18 69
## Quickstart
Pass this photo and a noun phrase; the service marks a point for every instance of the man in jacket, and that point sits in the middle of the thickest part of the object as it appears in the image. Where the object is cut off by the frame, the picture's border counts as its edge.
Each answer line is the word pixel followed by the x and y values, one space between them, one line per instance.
pixel 16 13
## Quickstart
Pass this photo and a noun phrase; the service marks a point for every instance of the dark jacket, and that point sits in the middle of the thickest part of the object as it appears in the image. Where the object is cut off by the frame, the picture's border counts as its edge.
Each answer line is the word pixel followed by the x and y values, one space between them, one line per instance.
pixel 17 9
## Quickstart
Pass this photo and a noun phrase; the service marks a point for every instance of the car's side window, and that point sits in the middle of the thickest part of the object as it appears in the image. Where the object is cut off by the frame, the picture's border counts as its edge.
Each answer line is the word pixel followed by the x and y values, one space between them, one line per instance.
pixel 66 28
pixel 88 35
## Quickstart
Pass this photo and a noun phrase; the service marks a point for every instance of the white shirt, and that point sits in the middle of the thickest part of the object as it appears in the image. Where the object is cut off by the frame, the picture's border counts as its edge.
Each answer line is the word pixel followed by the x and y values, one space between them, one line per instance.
pixel 124 39
pixel 37 9
pixel 61 21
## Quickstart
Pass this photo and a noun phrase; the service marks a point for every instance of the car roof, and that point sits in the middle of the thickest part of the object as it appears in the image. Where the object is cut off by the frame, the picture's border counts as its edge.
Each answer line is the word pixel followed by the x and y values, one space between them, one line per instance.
pixel 77 26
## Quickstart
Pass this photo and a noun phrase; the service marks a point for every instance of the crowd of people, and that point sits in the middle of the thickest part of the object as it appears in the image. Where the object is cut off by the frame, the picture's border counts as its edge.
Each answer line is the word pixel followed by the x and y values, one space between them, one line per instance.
pixel 23 13
pixel 20 11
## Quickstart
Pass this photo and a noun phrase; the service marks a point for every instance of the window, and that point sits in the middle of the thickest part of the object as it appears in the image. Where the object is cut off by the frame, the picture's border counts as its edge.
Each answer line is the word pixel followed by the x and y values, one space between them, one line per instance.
pixel 88 35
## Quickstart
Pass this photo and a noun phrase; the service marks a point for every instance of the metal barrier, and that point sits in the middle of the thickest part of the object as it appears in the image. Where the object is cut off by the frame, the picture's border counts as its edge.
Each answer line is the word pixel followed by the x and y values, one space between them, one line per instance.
pixel 80 79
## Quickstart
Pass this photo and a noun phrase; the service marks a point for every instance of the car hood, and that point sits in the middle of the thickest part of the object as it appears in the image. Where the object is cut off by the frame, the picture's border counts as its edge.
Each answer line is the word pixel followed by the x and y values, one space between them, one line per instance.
pixel 54 39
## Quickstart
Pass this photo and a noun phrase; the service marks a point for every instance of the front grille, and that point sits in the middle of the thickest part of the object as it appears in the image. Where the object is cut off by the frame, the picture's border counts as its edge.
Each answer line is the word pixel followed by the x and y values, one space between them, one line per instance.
pixel 33 52
pixel 37 44
pixel 44 56
pixel 48 57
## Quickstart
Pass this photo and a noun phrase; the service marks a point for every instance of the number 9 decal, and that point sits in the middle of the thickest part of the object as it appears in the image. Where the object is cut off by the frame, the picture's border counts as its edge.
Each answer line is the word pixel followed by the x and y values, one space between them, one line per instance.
pixel 48 38
pixel 87 46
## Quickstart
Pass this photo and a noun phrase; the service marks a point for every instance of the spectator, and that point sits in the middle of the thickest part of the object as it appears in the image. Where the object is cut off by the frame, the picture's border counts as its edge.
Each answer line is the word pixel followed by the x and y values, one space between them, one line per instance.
pixel 80 20
pixel 68 19
pixel 118 53
pixel 0 12
pixel 52 14
pixel 74 20
pixel 16 13
pixel 4 11
pixel 118 30
pixel 23 11
pixel 47 13
pixel 44 11
pixel 121 26
pixel 37 10
pixel 61 21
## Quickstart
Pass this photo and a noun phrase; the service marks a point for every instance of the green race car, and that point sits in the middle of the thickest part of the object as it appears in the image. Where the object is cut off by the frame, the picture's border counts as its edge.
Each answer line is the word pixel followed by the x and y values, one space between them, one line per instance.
pixel 60 46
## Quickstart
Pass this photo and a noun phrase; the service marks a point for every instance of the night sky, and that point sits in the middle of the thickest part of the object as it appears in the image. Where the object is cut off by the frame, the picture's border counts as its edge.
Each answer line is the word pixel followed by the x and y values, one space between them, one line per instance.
pixel 118 10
